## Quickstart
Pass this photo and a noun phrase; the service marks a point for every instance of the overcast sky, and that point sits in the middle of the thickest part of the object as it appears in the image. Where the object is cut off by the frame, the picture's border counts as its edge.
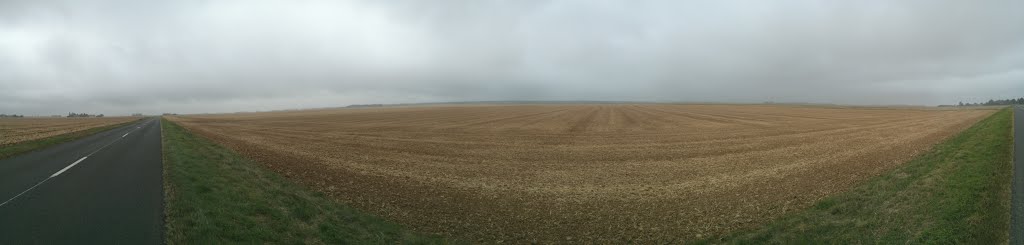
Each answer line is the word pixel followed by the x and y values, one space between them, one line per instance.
pixel 190 56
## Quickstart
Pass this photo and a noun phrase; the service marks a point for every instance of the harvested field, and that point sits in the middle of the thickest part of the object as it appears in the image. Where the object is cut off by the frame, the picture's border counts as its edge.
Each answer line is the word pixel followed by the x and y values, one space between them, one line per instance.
pixel 14 130
pixel 558 173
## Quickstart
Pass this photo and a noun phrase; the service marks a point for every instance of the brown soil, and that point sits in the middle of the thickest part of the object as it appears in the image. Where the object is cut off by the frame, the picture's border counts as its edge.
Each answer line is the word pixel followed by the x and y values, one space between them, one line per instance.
pixel 14 130
pixel 563 173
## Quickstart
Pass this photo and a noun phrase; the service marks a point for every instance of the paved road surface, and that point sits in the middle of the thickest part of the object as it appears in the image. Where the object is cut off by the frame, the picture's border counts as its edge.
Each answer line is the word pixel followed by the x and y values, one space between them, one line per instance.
pixel 102 189
pixel 1017 205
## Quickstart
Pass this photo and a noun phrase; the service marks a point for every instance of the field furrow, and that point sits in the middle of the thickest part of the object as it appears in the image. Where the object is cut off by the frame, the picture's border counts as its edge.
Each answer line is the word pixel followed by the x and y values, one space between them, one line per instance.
pixel 17 130
pixel 608 172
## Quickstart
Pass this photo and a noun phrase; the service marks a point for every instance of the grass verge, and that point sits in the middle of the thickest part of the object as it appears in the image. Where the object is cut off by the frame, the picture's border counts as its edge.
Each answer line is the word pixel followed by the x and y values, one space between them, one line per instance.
pixel 958 193
pixel 214 196
pixel 32 145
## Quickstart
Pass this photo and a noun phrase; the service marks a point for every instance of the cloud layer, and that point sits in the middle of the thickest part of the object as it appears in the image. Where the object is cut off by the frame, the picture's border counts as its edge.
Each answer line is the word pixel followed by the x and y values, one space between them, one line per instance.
pixel 220 56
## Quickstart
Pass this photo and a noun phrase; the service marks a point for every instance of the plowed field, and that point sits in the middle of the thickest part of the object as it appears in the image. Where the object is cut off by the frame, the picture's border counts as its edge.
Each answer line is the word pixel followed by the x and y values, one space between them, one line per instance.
pixel 14 130
pixel 560 173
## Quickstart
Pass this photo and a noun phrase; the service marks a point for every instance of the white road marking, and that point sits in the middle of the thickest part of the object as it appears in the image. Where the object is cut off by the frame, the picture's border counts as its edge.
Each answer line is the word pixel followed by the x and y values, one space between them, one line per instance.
pixel 68 167
pixel 65 168
pixel 23 192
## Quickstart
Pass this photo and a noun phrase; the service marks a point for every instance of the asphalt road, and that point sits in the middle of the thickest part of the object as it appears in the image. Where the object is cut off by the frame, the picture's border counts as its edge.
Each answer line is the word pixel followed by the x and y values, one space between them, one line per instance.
pixel 102 189
pixel 1017 205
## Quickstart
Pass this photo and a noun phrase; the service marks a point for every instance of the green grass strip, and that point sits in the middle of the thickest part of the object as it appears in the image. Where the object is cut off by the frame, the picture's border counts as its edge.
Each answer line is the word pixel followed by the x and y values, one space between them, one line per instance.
pixel 215 196
pixel 957 193
pixel 32 145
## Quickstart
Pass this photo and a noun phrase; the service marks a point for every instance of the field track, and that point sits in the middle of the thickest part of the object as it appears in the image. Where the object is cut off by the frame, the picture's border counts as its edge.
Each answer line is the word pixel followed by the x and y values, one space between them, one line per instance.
pixel 555 173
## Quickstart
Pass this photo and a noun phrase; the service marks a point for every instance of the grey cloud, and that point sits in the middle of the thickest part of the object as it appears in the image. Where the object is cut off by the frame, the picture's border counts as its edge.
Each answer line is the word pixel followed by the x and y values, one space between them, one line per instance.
pixel 214 56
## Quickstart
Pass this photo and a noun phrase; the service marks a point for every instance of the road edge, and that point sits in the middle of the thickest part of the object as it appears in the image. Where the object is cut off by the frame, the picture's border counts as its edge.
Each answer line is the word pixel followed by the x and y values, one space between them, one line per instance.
pixel 43 143
pixel 215 196
pixel 1017 199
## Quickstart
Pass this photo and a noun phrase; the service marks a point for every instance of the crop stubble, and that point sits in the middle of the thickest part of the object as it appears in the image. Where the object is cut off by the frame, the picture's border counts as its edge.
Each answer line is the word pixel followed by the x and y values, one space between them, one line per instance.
pixel 14 130
pixel 583 172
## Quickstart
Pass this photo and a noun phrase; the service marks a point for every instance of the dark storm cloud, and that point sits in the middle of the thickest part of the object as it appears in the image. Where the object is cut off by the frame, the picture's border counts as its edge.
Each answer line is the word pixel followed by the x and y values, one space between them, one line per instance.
pixel 211 56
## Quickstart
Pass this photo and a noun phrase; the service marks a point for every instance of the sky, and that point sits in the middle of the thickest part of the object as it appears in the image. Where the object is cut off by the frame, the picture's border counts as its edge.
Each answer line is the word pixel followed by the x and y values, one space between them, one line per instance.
pixel 195 56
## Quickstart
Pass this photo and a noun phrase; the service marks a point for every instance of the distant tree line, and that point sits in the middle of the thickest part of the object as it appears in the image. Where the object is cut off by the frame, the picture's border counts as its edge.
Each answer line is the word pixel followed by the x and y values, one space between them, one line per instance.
pixel 366 105
pixel 11 115
pixel 1018 101
pixel 72 114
